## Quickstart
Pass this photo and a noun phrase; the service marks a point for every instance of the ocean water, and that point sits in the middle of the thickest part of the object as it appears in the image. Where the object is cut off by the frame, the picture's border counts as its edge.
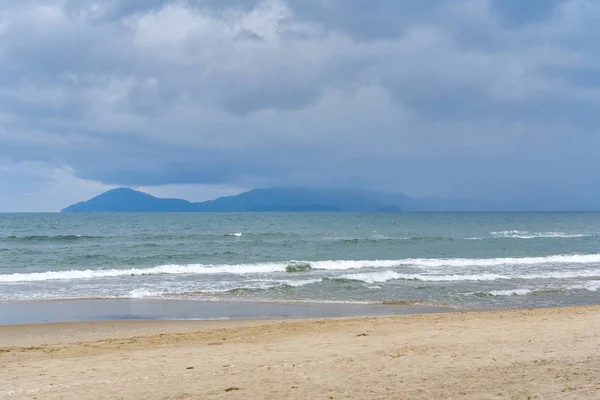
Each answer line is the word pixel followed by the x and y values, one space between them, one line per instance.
pixel 464 260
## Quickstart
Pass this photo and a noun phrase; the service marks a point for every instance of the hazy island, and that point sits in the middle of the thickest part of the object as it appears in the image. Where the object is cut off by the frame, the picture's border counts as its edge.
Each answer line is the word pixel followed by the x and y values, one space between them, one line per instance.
pixel 282 200
pixel 257 200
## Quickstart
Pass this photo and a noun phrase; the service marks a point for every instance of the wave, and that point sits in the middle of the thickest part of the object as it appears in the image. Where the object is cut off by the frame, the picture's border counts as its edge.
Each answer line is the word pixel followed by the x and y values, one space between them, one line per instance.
pixel 375 277
pixel 382 238
pixel 335 265
pixel 591 286
pixel 426 263
pixel 504 293
pixel 234 288
pixel 143 294
pixel 194 269
pixel 492 262
pixel 262 286
pixel 513 234
pixel 298 266
pixel 385 276
pixel 44 238
pixel 157 236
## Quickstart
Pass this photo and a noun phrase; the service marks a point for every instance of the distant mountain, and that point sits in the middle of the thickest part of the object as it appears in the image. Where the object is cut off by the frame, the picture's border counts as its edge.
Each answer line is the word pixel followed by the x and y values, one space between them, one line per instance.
pixel 293 199
pixel 281 200
pixel 258 200
pixel 129 200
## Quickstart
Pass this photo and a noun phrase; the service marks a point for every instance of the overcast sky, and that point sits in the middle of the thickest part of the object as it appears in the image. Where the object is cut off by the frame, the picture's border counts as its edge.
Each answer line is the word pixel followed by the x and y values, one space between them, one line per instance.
pixel 197 99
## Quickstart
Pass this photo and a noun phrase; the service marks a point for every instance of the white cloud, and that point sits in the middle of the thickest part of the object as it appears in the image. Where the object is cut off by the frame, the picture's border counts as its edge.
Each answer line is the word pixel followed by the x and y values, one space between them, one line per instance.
pixel 39 187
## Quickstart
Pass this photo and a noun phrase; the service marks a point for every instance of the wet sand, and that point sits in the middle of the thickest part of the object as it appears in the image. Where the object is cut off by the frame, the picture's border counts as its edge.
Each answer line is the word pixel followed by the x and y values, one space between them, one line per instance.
pixel 29 312
pixel 535 354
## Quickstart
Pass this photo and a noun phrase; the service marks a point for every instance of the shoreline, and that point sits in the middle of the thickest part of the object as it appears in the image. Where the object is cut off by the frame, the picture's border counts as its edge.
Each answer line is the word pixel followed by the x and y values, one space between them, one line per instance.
pixel 548 353
pixel 14 336
pixel 64 311
pixel 47 311
pixel 225 300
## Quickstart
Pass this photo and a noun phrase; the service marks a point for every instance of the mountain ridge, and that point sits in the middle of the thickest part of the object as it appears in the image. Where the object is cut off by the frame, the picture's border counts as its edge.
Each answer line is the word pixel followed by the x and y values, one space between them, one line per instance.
pixel 279 200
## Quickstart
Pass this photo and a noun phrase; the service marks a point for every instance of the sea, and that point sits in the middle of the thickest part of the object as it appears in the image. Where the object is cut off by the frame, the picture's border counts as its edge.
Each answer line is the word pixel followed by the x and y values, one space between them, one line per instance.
pixel 458 260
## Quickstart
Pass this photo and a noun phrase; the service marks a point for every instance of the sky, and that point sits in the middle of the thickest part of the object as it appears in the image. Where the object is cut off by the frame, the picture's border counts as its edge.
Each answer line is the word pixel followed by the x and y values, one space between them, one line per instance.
pixel 480 99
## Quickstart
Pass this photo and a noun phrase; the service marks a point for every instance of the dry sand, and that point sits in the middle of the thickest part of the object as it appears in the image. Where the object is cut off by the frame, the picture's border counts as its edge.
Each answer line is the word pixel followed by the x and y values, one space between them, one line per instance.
pixel 528 354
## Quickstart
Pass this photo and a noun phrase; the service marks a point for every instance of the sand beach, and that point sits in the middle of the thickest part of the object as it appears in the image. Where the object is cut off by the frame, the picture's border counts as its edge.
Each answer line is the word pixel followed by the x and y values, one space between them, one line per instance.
pixel 523 354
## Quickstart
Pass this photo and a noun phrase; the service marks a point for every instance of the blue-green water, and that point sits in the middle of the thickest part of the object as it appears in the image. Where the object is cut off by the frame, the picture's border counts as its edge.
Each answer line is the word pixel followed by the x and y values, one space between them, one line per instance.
pixel 464 260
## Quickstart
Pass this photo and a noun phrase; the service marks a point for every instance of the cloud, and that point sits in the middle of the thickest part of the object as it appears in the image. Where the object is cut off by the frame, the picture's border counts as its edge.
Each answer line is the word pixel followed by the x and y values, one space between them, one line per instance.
pixel 427 97
pixel 41 187
pixel 194 193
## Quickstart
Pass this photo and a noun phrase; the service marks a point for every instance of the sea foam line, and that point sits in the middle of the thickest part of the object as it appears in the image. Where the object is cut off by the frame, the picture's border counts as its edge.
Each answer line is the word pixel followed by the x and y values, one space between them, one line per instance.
pixel 386 276
pixel 514 234
pixel 191 269
pixel 163 292
pixel 590 286
pixel 266 268
pixel 510 292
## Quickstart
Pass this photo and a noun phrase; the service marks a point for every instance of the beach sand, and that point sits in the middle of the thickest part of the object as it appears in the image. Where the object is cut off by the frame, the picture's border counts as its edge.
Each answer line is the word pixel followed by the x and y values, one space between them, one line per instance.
pixel 525 354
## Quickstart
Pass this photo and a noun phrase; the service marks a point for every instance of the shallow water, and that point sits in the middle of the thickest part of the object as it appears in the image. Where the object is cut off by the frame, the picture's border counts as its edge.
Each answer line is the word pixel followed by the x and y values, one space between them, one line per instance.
pixel 464 260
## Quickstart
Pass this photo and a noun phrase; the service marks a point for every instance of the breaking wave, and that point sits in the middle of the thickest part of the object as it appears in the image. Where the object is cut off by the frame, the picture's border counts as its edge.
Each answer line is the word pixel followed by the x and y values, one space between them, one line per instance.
pixel 377 277
pixel 338 265
pixel 233 288
pixel 298 266
pixel 195 269
pixel 536 235
pixel 503 293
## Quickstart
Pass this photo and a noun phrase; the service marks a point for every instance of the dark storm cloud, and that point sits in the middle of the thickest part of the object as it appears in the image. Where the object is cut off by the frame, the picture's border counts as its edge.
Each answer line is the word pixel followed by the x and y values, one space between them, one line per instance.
pixel 422 96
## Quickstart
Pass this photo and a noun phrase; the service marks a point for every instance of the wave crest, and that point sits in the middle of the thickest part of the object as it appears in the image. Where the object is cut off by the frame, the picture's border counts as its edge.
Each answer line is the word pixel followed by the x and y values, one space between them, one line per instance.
pixel 514 234
pixel 298 266
pixel 335 265
pixel 50 238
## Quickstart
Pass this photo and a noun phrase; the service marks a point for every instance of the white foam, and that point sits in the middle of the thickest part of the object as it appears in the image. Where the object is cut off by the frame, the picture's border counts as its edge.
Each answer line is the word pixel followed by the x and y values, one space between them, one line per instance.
pixel 236 234
pixel 491 262
pixel 510 292
pixel 374 237
pixel 374 277
pixel 273 283
pixel 142 294
pixel 354 264
pixel 378 277
pixel 535 235
pixel 592 286
pixel 340 265
pixel 296 283
pixel 302 282
pixel 191 269
pixel 255 285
